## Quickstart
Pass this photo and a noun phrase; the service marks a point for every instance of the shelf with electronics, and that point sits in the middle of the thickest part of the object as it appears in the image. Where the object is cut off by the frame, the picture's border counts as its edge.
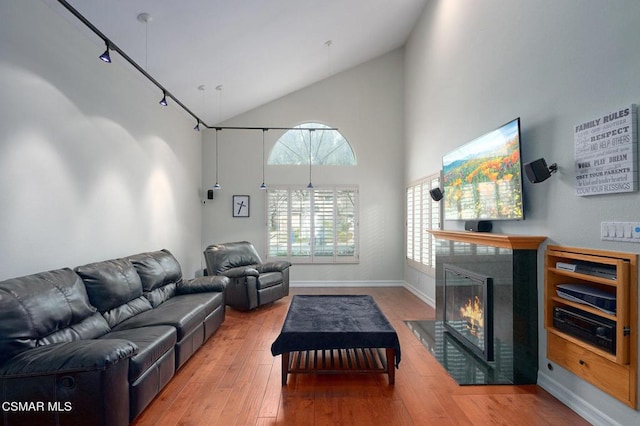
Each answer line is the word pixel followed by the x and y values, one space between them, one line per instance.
pixel 607 355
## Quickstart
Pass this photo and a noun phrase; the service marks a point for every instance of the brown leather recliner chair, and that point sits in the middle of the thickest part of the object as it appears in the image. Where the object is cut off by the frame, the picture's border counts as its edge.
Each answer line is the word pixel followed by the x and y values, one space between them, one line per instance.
pixel 253 282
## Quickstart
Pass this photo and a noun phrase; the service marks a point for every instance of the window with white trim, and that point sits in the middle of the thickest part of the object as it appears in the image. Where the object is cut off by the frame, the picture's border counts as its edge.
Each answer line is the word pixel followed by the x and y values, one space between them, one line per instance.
pixel 312 225
pixel 423 214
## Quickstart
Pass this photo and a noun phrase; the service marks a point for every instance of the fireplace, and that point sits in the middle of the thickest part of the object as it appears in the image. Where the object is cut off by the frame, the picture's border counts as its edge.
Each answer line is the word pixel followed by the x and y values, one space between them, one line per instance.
pixel 468 309
pixel 494 277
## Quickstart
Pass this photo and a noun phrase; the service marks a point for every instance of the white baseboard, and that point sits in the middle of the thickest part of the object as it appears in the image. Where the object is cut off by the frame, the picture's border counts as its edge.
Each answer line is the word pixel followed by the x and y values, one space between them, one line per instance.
pixel 346 283
pixel 583 408
pixel 420 295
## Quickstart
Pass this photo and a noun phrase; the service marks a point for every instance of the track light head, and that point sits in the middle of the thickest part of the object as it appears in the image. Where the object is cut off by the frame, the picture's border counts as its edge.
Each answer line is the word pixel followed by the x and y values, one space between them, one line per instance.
pixel 105 56
pixel 197 126
pixel 163 101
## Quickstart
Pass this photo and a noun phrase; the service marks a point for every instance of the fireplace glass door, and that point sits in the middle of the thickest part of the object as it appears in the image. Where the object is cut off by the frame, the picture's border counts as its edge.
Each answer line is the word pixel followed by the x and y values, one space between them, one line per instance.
pixel 468 315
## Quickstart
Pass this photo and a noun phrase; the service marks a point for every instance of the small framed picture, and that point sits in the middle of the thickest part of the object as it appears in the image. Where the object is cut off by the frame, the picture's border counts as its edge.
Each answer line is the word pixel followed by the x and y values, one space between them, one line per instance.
pixel 240 206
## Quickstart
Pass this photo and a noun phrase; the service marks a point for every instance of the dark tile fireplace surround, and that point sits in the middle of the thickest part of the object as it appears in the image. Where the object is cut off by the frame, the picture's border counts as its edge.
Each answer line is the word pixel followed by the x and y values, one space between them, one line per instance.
pixel 495 277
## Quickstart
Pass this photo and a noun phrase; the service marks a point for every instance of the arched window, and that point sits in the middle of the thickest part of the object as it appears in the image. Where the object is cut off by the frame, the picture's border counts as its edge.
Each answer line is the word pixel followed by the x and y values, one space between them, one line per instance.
pixel 328 147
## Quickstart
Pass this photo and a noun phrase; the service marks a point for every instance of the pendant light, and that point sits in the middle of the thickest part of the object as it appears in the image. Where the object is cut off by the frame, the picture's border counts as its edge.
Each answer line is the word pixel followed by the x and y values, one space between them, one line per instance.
pixel 263 185
pixel 310 186
pixel 145 18
pixel 219 89
pixel 328 43
pixel 217 185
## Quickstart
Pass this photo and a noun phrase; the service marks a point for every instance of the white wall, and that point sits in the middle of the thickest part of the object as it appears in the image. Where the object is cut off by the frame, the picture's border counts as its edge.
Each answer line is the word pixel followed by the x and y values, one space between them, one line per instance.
pixel 366 105
pixel 472 66
pixel 91 167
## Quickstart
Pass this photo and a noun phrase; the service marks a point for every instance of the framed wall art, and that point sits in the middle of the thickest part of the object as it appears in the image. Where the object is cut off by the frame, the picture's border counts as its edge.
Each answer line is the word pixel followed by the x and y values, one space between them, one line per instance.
pixel 240 206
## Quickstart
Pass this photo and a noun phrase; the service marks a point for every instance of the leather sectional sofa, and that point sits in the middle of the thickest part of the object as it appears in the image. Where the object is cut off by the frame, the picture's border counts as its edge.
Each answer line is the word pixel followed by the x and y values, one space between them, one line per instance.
pixel 94 345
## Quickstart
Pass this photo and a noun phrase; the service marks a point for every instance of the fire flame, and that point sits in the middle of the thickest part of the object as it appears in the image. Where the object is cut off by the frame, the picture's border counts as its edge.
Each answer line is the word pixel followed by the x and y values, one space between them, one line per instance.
pixel 473 313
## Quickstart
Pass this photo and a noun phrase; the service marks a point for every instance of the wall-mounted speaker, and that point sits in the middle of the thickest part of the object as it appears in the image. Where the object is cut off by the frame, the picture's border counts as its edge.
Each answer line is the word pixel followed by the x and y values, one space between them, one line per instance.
pixel 478 225
pixel 436 194
pixel 538 171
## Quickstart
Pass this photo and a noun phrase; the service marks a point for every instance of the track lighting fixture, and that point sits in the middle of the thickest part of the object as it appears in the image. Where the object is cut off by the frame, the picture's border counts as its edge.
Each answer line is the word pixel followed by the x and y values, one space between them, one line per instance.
pixel 105 56
pixel 110 46
pixel 163 101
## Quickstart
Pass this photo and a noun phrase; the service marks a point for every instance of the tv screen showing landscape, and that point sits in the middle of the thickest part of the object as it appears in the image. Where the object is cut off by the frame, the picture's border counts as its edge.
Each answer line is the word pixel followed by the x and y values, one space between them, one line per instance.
pixel 482 179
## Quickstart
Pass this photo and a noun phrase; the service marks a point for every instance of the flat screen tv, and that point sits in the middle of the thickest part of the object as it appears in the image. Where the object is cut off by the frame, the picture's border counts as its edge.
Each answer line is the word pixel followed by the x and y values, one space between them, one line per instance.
pixel 482 180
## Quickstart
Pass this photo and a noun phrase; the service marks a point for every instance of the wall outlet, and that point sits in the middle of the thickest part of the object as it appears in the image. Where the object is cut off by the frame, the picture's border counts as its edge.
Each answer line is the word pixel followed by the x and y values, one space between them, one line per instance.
pixel 620 231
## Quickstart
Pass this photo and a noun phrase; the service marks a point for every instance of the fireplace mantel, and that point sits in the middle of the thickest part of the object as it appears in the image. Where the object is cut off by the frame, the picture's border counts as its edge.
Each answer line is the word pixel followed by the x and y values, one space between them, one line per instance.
pixel 514 242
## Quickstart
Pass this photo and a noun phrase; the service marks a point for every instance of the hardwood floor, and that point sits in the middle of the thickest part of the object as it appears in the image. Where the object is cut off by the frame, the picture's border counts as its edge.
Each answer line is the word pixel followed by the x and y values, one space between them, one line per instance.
pixel 234 380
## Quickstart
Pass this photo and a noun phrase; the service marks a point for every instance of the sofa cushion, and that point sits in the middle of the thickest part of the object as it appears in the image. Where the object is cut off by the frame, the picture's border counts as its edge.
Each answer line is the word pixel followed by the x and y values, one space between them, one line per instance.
pixel 35 306
pixel 123 312
pixel 208 301
pixel 152 343
pixel 90 328
pixel 269 279
pixel 110 283
pixel 159 295
pixel 156 269
pixel 185 313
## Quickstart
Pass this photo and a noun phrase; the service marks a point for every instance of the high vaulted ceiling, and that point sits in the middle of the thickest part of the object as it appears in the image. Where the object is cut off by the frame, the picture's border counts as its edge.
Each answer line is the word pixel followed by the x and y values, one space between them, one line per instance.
pixel 258 50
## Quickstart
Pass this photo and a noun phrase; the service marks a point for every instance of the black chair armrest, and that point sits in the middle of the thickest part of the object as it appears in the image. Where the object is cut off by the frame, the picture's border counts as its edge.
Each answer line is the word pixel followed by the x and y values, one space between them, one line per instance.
pixel 79 355
pixel 215 283
pixel 277 266
pixel 241 271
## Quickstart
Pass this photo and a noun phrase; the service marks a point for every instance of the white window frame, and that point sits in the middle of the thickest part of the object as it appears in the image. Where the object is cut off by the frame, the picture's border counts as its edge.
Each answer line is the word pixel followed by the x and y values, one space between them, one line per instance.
pixel 312 258
pixel 422 215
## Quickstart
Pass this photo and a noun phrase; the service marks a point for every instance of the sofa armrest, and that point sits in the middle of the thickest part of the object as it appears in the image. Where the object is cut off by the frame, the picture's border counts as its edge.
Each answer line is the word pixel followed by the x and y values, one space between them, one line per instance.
pixel 241 271
pixel 203 284
pixel 276 266
pixel 79 355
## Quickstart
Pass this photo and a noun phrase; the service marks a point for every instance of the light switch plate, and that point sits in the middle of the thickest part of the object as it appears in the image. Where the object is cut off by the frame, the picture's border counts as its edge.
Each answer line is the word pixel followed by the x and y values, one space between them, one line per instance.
pixel 620 231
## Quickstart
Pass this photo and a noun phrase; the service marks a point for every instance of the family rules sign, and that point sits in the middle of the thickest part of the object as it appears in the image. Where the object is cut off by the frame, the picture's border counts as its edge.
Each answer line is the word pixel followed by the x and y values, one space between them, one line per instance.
pixel 606 153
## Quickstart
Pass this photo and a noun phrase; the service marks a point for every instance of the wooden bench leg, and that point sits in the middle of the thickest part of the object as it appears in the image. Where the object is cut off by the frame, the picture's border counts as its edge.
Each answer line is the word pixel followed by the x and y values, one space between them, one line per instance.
pixel 285 367
pixel 391 366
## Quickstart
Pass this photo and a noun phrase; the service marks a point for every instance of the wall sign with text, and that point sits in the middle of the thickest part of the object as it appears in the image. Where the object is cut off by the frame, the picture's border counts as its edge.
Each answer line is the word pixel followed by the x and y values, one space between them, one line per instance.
pixel 607 153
